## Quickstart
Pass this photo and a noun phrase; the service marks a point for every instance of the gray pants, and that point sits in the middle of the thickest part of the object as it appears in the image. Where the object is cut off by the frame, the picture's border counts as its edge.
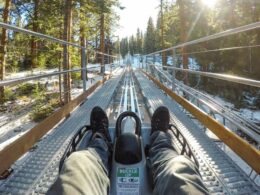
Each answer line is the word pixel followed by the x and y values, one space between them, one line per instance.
pixel 86 172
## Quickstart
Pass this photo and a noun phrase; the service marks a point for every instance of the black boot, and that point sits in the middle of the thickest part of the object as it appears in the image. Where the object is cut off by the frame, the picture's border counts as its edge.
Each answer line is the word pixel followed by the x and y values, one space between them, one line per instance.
pixel 99 123
pixel 160 119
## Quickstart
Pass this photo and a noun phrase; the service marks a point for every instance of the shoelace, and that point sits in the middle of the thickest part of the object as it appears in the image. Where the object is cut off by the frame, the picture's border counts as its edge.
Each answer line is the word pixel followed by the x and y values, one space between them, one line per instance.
pixel 157 122
pixel 102 126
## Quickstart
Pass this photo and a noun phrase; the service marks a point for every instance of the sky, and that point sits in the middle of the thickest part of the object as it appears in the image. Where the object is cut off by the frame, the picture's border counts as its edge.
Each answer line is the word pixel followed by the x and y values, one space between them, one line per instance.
pixel 136 14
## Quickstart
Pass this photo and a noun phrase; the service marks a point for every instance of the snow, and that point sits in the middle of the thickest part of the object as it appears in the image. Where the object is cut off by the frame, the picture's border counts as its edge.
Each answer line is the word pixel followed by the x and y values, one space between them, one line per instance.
pixel 15 129
pixel 222 101
pixel 192 65
pixel 253 115
pixel 256 115
pixel 29 73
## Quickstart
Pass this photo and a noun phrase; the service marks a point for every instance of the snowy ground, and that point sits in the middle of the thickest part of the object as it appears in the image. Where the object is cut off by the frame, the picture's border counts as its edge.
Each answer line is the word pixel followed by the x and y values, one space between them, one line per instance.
pixel 38 71
pixel 253 115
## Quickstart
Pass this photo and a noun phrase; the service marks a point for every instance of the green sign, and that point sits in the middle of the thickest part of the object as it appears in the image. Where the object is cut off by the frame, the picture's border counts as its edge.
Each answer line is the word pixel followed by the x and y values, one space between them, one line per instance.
pixel 128 172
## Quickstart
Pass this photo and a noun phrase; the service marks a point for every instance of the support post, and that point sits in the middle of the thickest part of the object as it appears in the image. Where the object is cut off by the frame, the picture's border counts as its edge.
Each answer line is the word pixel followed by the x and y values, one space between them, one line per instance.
pixel 110 68
pixel 173 71
pixel 142 62
pixel 83 65
pixel 146 68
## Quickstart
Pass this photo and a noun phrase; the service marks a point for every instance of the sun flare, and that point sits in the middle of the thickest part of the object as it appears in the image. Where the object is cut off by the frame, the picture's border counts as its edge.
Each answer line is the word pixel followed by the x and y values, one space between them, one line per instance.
pixel 210 3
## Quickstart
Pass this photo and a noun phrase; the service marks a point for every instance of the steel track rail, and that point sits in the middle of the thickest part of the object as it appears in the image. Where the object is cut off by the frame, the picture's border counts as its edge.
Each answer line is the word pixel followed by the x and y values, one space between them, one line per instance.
pixel 135 97
pixel 219 172
pixel 40 168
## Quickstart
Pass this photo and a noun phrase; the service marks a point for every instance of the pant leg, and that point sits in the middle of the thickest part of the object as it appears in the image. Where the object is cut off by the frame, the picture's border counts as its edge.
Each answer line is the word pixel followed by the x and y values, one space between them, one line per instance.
pixel 172 173
pixel 85 171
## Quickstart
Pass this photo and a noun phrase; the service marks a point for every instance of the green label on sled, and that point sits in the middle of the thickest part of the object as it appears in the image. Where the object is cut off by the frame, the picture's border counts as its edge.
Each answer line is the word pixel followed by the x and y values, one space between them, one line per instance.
pixel 128 181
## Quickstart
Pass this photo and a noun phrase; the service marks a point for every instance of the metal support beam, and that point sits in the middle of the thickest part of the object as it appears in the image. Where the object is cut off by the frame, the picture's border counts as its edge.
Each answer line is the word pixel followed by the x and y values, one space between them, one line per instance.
pixel 83 65
pixel 173 71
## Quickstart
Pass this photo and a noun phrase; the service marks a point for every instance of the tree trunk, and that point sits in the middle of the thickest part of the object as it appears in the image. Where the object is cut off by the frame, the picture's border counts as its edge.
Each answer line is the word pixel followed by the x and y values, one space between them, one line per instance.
pixel 35 29
pixel 83 44
pixel 61 59
pixel 184 38
pixel 82 36
pixel 66 56
pixel 164 61
pixel 102 42
pixel 3 48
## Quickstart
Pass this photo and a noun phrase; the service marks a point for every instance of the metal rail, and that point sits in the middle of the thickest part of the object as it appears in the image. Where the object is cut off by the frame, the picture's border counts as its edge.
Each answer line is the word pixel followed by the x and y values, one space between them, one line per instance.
pixel 129 96
pixel 36 34
pixel 214 36
pixel 23 79
pixel 136 99
pixel 47 37
pixel 133 109
pixel 243 149
pixel 125 97
pixel 121 99
pixel 35 77
pixel 220 174
pixel 225 77
pixel 248 128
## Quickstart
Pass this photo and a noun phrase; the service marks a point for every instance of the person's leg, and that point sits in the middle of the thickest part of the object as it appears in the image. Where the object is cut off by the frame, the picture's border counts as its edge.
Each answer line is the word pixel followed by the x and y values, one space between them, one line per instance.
pixel 86 171
pixel 172 173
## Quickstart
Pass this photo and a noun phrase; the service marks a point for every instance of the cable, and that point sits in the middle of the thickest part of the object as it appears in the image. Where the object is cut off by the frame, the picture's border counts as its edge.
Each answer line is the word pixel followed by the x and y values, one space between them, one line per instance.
pixel 235 79
pixel 229 32
pixel 221 49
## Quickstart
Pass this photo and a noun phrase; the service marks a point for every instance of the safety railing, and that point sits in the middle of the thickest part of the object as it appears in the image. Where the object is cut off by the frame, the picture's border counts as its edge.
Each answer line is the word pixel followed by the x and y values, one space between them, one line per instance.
pixel 203 106
pixel 56 40
pixel 243 149
pixel 212 37
pixel 17 131
pixel 224 77
pixel 200 98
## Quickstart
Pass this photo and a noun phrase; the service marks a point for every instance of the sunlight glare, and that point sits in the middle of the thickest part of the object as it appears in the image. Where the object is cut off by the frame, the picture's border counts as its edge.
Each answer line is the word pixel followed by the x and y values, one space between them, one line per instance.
pixel 210 3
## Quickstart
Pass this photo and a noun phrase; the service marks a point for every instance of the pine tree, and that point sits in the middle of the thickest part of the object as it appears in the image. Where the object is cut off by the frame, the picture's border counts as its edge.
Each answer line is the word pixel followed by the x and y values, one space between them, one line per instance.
pixel 66 55
pixel 132 45
pixel 124 47
pixel 4 38
pixel 139 40
pixel 164 60
pixel 149 40
pixel 184 36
